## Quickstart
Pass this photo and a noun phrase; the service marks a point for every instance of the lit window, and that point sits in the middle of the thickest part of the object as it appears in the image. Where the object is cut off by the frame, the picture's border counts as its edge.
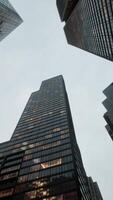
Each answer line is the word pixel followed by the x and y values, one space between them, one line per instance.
pixel 23 148
pixel 27 157
pixel 41 192
pixel 22 179
pixel 25 143
pixel 39 183
pixel 6 193
pixel 55 198
pixel 31 145
pixel 8 176
pixel 37 160
pixel 51 163
pixel 30 195
pixel 62 111
pixel 50 113
pixel 56 129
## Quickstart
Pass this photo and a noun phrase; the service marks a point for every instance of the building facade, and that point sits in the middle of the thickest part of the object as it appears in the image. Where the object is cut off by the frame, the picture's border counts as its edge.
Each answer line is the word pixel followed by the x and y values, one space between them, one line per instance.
pixel 65 8
pixel 42 161
pixel 108 104
pixel 9 19
pixel 90 26
pixel 94 190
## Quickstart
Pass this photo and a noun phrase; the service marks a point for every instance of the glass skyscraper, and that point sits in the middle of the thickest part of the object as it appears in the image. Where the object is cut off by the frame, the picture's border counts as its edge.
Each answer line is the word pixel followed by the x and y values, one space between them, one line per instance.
pixel 89 25
pixel 9 18
pixel 108 103
pixel 94 190
pixel 42 161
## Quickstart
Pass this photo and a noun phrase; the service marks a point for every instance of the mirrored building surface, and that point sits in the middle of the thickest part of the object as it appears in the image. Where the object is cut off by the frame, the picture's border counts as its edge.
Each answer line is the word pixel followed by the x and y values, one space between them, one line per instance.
pixel 9 18
pixel 42 160
pixel 108 104
pixel 89 25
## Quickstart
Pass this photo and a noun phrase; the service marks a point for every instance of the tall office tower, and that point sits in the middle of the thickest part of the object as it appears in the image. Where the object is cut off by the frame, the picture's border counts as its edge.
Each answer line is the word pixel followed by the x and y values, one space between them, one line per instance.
pixel 9 18
pixel 108 103
pixel 65 8
pixel 94 190
pixel 89 25
pixel 42 160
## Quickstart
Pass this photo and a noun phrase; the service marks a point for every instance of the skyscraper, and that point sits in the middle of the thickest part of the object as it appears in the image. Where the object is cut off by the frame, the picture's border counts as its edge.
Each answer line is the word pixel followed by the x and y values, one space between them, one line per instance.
pixel 89 25
pixel 94 190
pixel 42 160
pixel 108 103
pixel 9 18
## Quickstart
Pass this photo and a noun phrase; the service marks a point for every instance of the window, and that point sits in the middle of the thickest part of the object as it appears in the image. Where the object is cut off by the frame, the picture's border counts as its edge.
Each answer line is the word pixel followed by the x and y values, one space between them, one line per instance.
pixel 20 188
pixel 6 193
pixel 30 195
pixel 39 183
pixel 23 148
pixel 24 143
pixel 10 169
pixel 8 176
pixel 56 129
pixel 60 197
pixel 28 157
pixel 51 163
pixel 37 160
pixel 22 179
pixel 31 146
pixel 35 168
pixel 47 146
pixel 64 136
pixel 62 111
pixel 48 136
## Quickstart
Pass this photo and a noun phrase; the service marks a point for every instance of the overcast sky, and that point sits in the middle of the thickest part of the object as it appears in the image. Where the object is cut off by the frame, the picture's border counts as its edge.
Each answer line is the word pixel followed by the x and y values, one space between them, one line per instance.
pixel 38 50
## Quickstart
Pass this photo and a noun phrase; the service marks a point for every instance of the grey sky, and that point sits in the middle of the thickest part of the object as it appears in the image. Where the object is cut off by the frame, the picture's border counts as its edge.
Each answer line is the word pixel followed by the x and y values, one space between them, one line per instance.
pixel 37 50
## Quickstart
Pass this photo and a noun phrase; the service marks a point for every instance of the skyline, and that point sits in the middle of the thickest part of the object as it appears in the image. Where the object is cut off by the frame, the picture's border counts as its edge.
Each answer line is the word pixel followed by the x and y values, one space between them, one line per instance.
pixel 44 53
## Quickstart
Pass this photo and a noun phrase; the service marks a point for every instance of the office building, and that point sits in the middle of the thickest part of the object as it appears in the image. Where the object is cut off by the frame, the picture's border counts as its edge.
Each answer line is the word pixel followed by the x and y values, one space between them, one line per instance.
pixel 108 103
pixel 89 25
pixel 94 190
pixel 42 160
pixel 9 19
pixel 65 8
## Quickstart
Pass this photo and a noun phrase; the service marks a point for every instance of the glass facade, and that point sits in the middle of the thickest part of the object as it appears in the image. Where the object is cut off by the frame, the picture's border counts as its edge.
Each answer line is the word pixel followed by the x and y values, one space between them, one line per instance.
pixel 9 18
pixel 94 190
pixel 42 160
pixel 90 27
pixel 108 104
pixel 65 7
pixel 7 4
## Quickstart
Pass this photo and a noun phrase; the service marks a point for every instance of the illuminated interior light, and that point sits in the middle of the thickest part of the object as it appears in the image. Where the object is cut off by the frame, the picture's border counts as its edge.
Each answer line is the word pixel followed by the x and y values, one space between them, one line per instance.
pixel 37 160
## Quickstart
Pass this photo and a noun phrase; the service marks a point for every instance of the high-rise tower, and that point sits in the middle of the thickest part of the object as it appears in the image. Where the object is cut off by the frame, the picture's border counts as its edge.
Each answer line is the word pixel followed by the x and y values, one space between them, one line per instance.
pixel 9 18
pixel 108 103
pixel 89 25
pixel 42 160
pixel 94 190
